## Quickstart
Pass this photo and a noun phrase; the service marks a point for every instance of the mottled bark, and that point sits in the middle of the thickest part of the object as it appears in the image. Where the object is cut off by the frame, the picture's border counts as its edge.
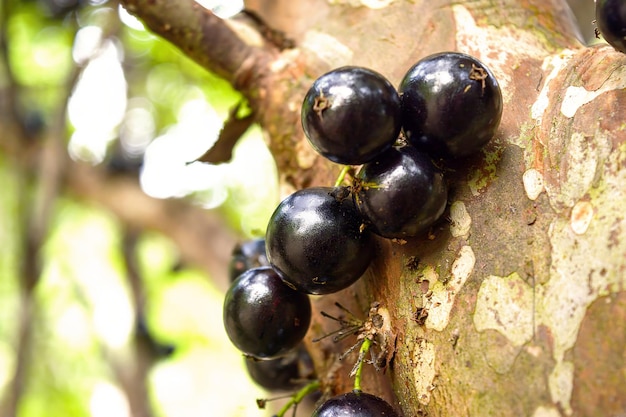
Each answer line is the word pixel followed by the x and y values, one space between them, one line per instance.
pixel 516 286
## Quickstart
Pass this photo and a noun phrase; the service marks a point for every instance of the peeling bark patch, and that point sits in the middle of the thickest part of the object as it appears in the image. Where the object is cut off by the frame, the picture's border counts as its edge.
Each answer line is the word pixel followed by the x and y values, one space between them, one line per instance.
pixel 572 285
pixel 439 300
pixel 580 163
pixel 327 48
pixel 372 4
pixel 505 304
pixel 546 412
pixel 423 363
pixel 584 268
pixel 533 183
pixel 575 97
pixel 485 43
pixel 555 63
pixel 376 4
pixel 561 382
pixel 582 213
pixel 460 220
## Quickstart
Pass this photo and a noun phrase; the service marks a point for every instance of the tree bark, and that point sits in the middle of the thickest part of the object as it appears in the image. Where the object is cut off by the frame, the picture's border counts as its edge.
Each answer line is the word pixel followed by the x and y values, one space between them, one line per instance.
pixel 516 289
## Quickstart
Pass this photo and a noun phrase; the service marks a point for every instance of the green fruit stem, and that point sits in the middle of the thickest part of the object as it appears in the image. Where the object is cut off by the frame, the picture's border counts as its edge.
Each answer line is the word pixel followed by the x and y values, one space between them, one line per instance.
pixel 342 175
pixel 309 388
pixel 365 347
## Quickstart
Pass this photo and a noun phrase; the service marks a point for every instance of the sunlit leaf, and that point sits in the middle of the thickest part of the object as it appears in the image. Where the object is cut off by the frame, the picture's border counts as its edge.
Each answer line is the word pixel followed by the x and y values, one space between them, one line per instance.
pixel 40 52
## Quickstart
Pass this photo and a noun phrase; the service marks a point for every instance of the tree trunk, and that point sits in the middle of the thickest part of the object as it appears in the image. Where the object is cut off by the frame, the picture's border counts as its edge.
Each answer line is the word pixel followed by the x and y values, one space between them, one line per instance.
pixel 514 306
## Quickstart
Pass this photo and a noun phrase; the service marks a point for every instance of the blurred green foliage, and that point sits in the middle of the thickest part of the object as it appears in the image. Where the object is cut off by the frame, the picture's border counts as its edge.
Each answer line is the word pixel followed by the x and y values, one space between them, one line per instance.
pixel 84 315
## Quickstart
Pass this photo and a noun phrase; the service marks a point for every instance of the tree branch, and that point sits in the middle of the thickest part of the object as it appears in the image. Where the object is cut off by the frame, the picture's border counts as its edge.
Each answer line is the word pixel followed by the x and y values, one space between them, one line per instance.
pixel 203 37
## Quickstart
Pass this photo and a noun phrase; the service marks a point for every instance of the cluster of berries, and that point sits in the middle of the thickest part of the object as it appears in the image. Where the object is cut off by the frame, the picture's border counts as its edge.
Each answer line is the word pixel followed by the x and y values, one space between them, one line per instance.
pixel 288 372
pixel 320 240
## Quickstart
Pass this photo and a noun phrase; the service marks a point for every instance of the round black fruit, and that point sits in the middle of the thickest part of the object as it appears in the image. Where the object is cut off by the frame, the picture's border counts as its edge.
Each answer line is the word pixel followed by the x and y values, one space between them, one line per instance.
pixel 351 114
pixel 611 22
pixel 247 255
pixel 263 317
pixel 451 104
pixel 315 240
pixel 355 404
pixel 287 373
pixel 400 193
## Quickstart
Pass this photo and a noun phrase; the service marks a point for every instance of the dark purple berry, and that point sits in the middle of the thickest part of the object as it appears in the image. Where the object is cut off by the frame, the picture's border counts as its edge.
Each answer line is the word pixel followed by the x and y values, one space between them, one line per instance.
pixel 400 193
pixel 355 404
pixel 611 22
pixel 247 255
pixel 315 241
pixel 451 104
pixel 351 114
pixel 263 317
pixel 287 373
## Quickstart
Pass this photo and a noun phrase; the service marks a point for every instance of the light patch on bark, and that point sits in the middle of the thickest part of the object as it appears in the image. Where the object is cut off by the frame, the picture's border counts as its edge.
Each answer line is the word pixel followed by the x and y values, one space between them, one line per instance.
pixel 327 48
pixel 533 183
pixel 575 97
pixel 561 383
pixel 460 220
pixel 579 168
pixel 372 4
pixel 505 304
pixel 582 213
pixel 386 328
pixel 423 363
pixel 555 63
pixel 305 154
pixel 245 32
pixel 285 60
pixel 440 298
pixel 579 274
pixel 546 412
pixel 584 267
pixel 485 43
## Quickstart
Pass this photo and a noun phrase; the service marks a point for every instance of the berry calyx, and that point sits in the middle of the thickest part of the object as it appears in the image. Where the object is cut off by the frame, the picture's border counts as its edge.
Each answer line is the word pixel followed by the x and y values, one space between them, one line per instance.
pixel 351 114
pixel 451 104
pixel 263 317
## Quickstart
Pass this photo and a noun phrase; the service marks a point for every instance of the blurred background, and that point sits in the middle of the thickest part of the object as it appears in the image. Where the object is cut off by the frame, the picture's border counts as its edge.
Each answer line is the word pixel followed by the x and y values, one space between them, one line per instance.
pixel 116 246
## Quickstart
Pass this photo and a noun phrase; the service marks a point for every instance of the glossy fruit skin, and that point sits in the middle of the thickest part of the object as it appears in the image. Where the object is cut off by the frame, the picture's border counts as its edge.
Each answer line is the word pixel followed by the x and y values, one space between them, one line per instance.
pixel 351 114
pixel 355 404
pixel 315 242
pixel 451 105
pixel 401 193
pixel 287 373
pixel 247 255
pixel 263 317
pixel 611 22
